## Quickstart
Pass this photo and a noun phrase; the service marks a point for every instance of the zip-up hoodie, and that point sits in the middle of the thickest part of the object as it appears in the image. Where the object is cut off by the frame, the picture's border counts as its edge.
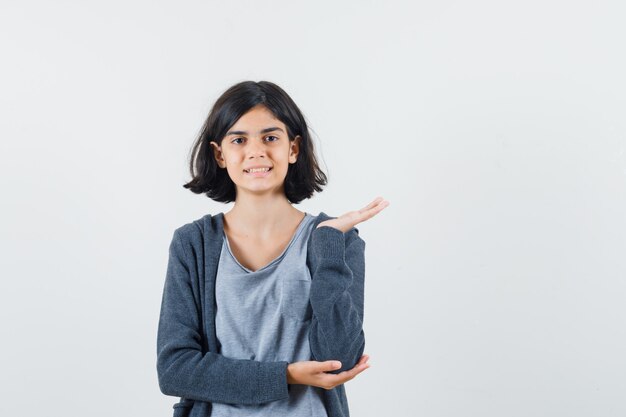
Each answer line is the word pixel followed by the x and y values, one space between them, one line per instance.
pixel 188 364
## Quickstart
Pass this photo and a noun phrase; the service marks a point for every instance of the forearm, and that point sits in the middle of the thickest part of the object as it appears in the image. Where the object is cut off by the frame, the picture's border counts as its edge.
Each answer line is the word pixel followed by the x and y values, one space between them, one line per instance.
pixel 184 367
pixel 215 378
pixel 337 295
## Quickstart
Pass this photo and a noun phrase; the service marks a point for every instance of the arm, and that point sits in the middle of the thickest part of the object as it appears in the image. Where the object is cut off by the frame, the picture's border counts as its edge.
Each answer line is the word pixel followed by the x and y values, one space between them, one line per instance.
pixel 337 294
pixel 184 370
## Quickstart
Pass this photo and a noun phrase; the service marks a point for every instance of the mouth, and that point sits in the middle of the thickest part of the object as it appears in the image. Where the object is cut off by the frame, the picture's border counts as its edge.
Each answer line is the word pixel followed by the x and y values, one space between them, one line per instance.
pixel 259 170
pixel 258 173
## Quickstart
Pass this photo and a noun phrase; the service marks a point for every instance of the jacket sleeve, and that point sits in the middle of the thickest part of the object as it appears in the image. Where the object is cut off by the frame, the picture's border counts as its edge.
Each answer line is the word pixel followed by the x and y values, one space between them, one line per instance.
pixel 337 295
pixel 184 369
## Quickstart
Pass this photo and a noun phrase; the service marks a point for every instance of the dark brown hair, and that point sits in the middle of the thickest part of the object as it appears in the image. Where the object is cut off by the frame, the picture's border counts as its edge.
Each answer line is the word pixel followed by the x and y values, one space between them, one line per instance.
pixel 304 177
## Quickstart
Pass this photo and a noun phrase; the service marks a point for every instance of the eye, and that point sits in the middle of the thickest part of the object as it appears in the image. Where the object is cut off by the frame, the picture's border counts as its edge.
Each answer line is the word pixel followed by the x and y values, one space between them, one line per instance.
pixel 267 137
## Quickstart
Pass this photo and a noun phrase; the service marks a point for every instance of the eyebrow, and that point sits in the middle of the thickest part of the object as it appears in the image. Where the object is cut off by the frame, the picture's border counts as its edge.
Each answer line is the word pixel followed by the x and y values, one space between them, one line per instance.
pixel 266 130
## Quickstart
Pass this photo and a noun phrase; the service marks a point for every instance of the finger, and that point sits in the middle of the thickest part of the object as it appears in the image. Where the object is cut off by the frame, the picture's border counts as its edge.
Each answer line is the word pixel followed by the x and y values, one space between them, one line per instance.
pixel 372 204
pixel 358 368
pixel 331 365
pixel 351 373
pixel 365 214
pixel 379 207
pixel 377 204
pixel 344 376
pixel 340 378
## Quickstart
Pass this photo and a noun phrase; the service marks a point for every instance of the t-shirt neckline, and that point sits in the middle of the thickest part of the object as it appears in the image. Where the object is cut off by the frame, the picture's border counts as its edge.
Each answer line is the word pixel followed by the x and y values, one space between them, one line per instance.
pixel 279 257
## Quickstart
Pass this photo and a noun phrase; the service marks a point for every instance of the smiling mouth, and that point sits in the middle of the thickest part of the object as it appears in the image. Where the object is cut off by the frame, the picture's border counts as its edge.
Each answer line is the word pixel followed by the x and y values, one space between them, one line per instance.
pixel 257 171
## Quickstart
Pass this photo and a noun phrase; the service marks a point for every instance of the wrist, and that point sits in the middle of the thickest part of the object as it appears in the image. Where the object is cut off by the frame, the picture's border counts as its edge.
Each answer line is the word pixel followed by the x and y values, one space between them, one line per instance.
pixel 290 379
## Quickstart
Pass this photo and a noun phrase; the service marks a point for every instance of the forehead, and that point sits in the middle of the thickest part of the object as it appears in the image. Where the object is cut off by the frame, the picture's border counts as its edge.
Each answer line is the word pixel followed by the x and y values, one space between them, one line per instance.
pixel 256 119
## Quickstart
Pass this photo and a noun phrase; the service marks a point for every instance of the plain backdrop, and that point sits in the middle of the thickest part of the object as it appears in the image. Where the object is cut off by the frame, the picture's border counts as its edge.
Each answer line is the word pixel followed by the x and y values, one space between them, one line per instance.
pixel 495 280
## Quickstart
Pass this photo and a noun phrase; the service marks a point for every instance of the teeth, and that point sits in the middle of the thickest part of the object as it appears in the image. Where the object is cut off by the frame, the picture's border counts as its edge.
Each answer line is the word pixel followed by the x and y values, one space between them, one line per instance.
pixel 258 170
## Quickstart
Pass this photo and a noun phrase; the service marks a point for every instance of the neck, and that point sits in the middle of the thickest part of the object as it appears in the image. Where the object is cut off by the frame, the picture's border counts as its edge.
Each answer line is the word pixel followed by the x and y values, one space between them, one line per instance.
pixel 260 215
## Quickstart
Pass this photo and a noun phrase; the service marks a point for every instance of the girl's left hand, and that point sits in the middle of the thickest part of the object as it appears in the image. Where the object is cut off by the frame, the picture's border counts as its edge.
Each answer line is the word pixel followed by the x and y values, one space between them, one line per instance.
pixel 352 218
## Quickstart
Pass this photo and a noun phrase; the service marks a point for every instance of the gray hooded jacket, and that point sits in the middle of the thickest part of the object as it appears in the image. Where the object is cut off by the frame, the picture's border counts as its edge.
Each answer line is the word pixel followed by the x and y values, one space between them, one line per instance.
pixel 188 364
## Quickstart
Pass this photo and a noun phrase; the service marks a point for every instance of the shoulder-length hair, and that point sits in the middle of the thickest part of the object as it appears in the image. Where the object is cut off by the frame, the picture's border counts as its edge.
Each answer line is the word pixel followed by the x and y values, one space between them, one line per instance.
pixel 304 177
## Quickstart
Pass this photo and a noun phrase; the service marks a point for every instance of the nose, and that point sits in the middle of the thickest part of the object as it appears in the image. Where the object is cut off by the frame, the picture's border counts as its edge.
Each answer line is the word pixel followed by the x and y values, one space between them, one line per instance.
pixel 255 149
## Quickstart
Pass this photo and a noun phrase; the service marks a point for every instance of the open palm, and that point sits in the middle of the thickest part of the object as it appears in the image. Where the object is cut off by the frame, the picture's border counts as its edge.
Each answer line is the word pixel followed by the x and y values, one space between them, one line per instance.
pixel 347 221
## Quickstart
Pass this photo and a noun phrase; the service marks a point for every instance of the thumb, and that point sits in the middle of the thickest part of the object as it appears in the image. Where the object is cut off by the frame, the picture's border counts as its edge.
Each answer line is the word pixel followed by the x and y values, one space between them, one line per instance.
pixel 332 365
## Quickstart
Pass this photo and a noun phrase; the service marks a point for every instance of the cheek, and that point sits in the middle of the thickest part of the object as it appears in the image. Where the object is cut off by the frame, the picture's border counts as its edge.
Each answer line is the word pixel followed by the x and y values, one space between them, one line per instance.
pixel 233 172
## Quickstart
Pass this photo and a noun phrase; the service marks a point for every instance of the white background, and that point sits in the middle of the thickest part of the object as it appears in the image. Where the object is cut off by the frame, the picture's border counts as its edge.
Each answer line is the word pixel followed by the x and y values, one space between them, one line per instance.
pixel 495 280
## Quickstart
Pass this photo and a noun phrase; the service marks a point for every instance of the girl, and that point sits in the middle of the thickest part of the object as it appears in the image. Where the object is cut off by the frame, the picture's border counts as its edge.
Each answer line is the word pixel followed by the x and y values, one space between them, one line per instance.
pixel 262 307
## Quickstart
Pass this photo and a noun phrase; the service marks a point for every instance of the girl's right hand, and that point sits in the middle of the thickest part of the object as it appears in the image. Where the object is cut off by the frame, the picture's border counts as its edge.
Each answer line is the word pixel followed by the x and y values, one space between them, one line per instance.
pixel 314 373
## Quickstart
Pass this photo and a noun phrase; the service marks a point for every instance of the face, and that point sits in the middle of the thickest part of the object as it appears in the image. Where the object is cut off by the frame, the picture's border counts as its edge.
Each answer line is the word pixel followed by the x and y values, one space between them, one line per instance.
pixel 257 139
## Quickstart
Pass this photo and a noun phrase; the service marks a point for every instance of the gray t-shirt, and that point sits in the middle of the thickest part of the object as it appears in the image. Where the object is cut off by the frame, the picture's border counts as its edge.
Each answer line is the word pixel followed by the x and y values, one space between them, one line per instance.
pixel 265 315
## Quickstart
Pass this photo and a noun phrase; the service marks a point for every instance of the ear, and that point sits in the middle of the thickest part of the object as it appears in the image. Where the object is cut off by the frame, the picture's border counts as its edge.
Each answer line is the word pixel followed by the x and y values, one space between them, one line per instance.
pixel 217 153
pixel 294 150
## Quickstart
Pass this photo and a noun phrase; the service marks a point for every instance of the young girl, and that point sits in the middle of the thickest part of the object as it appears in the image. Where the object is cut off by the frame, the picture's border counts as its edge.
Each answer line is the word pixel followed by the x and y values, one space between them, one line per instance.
pixel 262 308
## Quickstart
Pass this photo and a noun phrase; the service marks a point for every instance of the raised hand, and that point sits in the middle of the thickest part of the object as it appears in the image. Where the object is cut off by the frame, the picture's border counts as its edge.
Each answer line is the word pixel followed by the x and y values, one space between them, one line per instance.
pixel 352 218
pixel 314 373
